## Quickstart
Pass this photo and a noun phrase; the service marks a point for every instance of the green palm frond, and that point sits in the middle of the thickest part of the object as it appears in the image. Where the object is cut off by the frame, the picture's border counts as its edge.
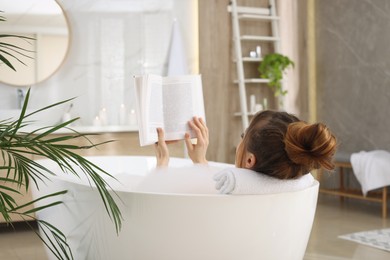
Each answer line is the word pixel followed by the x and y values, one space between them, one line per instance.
pixel 2 18
pixel 9 51
pixel 16 150
pixel 17 147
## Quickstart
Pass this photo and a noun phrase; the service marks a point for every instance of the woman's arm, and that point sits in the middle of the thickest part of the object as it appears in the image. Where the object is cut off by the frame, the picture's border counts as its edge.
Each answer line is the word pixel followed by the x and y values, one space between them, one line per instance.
pixel 161 149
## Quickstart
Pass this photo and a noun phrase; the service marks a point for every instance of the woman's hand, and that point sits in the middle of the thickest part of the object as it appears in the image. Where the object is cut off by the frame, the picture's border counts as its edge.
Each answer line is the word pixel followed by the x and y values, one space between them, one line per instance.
pixel 197 152
pixel 161 149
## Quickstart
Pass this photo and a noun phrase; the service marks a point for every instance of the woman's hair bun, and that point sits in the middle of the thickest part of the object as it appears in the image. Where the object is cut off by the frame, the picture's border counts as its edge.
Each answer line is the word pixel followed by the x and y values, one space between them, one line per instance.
pixel 310 145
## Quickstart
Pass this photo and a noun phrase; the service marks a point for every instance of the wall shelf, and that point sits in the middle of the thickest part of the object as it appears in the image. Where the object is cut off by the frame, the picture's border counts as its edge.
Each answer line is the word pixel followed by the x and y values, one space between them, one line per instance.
pixel 85 129
pixel 259 38
pixel 268 15
pixel 254 80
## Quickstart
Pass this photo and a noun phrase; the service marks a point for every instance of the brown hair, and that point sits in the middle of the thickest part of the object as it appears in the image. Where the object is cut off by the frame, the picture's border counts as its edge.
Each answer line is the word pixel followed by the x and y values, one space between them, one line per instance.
pixel 286 147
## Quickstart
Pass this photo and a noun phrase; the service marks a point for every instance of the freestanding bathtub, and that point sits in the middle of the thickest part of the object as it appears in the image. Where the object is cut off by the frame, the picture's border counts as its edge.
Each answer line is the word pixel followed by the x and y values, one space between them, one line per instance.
pixel 160 226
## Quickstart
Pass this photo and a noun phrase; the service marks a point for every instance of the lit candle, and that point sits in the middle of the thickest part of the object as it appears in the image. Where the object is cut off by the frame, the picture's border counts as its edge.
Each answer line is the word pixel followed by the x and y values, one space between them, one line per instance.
pixel 103 116
pixel 132 117
pixel 96 121
pixel 122 115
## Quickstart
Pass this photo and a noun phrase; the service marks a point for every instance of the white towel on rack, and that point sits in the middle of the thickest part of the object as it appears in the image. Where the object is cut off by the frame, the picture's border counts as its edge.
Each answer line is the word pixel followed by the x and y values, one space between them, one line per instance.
pixel 177 59
pixel 372 169
pixel 244 181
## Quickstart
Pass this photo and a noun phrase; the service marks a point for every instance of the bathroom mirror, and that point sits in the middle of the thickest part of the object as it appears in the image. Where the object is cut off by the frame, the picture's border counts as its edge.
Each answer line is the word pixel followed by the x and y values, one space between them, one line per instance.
pixel 45 22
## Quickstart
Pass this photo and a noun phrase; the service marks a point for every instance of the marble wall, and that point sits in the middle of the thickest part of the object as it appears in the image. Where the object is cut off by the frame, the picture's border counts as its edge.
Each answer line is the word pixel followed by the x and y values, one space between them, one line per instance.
pixel 353 71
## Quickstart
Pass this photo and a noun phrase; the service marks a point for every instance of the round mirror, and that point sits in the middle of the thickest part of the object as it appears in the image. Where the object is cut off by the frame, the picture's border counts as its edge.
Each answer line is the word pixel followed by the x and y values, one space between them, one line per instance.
pixel 36 42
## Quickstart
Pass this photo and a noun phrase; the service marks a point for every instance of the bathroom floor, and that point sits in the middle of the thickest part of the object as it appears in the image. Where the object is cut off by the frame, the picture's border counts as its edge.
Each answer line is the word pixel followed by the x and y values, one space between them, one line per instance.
pixel 21 244
pixel 332 219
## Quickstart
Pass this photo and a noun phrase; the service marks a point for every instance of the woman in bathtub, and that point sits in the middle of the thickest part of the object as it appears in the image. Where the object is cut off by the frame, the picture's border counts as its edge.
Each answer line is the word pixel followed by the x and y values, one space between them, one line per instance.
pixel 276 147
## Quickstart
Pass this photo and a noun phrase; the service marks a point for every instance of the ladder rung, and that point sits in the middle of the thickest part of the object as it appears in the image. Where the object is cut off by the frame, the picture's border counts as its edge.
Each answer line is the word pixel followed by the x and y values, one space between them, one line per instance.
pixel 250 59
pixel 255 80
pixel 257 17
pixel 250 10
pixel 258 38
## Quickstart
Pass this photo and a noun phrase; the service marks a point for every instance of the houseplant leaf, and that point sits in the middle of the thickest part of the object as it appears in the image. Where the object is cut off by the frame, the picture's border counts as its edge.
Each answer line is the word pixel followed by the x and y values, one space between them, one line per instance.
pixel 272 67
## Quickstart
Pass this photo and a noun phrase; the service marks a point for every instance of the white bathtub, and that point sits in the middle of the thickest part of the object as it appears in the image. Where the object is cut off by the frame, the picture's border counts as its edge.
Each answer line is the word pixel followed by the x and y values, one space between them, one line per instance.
pixel 179 226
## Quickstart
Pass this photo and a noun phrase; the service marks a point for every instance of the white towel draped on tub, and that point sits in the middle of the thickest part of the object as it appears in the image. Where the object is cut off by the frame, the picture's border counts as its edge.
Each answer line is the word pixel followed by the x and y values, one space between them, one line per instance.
pixel 244 181
pixel 372 169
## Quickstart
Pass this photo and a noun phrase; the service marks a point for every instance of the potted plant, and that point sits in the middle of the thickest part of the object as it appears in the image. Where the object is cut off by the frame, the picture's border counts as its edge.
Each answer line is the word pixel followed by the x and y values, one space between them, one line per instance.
pixel 19 171
pixel 272 67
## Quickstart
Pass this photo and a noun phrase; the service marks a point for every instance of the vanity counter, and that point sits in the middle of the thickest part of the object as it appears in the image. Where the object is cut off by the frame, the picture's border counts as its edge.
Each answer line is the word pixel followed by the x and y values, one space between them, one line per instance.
pixel 85 129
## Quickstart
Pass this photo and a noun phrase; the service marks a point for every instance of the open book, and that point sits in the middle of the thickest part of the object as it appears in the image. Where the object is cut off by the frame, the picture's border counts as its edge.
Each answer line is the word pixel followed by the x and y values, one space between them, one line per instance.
pixel 169 103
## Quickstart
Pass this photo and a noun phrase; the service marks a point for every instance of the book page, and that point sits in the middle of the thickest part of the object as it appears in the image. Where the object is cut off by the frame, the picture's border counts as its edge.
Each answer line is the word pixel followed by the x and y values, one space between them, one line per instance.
pixel 197 95
pixel 181 102
pixel 149 110
pixel 140 92
pixel 155 107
